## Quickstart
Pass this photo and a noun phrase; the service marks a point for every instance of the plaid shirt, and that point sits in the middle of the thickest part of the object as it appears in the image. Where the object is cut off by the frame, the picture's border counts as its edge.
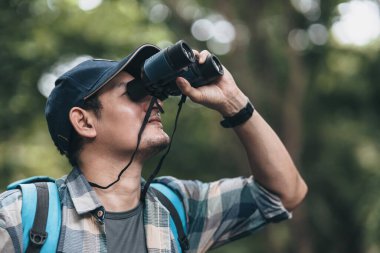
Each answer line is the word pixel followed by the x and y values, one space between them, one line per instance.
pixel 217 213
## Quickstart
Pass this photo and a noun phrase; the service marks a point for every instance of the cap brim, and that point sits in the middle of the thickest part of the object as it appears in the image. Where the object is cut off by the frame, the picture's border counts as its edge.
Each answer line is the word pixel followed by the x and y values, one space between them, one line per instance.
pixel 132 64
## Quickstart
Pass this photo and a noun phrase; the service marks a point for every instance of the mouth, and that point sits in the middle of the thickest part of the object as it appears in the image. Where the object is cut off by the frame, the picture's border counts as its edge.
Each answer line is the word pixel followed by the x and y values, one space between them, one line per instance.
pixel 155 117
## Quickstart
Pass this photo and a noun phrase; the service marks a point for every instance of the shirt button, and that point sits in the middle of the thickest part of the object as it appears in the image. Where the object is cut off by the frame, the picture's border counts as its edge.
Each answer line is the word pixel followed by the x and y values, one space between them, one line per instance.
pixel 100 213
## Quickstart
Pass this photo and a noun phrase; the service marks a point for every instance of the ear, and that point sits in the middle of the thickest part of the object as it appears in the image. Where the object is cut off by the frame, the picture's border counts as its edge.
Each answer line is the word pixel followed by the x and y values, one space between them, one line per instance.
pixel 83 122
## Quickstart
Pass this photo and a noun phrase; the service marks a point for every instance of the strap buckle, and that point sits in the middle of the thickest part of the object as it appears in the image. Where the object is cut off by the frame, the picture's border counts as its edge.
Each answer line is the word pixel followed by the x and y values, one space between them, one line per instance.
pixel 37 238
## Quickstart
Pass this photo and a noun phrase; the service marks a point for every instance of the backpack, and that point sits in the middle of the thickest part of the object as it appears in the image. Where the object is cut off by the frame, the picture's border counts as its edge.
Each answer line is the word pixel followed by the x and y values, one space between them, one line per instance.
pixel 41 213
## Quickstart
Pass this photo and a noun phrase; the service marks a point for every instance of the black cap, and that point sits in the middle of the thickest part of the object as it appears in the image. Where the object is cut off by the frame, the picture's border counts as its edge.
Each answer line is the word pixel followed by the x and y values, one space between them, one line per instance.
pixel 81 82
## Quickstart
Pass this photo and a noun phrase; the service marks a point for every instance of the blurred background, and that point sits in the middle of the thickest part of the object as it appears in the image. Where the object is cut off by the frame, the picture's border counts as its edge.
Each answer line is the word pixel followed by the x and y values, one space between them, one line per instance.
pixel 311 68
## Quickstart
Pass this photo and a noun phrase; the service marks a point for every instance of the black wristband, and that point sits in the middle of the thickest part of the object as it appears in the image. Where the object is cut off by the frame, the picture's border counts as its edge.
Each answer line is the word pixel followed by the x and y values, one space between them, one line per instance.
pixel 239 118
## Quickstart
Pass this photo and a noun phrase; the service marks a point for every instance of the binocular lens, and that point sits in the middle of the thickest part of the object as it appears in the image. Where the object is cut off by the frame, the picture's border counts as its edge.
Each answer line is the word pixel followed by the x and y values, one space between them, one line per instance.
pixel 180 55
pixel 211 68
pixel 166 63
pixel 217 65
pixel 188 52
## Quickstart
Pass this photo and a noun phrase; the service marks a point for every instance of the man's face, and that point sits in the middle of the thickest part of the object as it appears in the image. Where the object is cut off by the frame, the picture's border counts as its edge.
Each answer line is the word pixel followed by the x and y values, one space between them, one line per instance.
pixel 120 120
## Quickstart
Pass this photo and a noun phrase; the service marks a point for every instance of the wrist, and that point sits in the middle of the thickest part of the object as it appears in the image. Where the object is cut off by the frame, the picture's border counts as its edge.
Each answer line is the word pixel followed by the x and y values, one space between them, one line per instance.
pixel 240 117
pixel 234 105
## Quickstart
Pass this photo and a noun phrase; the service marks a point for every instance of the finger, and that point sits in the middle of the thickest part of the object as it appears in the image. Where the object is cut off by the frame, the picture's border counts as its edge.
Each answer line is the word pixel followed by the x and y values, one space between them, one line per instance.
pixel 202 56
pixel 196 54
pixel 186 89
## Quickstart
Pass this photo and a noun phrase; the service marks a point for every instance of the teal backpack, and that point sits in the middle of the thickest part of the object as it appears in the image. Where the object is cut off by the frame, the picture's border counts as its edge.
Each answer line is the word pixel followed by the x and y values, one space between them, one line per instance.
pixel 41 213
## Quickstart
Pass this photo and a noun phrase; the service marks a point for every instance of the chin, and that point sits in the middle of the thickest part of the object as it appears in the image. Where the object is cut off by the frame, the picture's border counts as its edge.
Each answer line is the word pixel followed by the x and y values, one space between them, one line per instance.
pixel 153 146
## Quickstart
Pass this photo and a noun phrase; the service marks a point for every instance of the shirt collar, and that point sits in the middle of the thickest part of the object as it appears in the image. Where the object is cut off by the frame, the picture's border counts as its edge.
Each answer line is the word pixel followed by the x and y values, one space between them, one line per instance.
pixel 82 194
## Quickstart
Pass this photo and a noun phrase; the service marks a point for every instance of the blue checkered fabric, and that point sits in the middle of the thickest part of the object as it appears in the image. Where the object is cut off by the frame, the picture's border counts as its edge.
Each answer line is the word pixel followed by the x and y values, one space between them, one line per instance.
pixel 217 213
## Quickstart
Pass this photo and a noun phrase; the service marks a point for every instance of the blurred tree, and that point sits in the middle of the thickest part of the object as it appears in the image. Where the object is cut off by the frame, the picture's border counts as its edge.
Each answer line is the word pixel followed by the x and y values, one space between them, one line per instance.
pixel 39 36
pixel 319 95
pixel 319 98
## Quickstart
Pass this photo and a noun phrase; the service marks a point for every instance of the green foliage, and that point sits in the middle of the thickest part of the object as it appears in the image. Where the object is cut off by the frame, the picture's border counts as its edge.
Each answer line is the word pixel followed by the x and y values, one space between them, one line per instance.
pixel 323 102
pixel 36 35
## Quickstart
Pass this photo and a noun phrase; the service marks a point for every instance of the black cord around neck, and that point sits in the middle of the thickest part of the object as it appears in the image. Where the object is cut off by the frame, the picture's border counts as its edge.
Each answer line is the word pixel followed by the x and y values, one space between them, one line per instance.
pixel 145 121
pixel 142 128
pixel 158 167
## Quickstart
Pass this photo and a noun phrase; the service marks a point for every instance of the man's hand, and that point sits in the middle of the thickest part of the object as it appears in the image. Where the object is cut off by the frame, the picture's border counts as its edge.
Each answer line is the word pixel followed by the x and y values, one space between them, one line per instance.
pixel 223 95
pixel 269 160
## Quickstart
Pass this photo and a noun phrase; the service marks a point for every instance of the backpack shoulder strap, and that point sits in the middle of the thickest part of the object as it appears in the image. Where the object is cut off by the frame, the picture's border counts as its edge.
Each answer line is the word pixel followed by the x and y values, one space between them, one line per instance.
pixel 177 213
pixel 40 213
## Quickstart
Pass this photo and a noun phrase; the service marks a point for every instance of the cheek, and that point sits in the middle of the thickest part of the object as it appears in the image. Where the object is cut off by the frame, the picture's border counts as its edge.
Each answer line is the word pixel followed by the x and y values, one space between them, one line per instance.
pixel 121 120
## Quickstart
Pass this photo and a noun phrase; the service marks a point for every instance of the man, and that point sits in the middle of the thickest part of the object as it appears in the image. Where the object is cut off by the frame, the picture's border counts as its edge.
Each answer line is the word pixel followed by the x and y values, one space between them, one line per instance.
pixel 94 122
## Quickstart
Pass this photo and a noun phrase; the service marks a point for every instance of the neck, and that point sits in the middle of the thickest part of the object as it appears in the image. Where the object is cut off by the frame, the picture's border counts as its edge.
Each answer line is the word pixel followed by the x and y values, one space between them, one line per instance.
pixel 104 170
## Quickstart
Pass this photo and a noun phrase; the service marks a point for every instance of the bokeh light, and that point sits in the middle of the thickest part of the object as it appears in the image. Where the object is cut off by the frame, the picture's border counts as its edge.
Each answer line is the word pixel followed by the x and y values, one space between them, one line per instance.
pixel 46 83
pixel 224 31
pixel 87 5
pixel 298 39
pixel 318 34
pixel 189 10
pixel 217 31
pixel 358 23
pixel 309 8
pixel 202 29
pixel 158 13
pixel 218 47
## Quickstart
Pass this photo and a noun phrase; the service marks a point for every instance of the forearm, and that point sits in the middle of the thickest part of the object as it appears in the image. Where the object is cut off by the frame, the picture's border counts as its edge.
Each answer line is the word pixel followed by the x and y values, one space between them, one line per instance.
pixel 270 162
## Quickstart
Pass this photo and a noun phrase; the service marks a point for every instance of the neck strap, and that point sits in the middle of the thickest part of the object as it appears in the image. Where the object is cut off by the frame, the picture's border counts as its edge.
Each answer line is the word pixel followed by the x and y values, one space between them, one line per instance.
pixel 158 167
pixel 145 121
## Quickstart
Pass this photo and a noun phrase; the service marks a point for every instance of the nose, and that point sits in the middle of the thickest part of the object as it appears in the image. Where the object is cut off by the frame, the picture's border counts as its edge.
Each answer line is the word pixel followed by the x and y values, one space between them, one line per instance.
pixel 146 101
pixel 160 104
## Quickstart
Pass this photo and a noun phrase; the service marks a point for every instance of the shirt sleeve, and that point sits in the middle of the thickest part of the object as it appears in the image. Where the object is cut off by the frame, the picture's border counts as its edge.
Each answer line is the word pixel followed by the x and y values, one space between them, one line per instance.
pixel 6 244
pixel 10 222
pixel 225 210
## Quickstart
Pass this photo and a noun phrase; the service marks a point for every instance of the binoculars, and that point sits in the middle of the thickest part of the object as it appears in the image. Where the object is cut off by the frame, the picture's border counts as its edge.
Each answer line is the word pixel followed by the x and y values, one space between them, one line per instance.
pixel 158 72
